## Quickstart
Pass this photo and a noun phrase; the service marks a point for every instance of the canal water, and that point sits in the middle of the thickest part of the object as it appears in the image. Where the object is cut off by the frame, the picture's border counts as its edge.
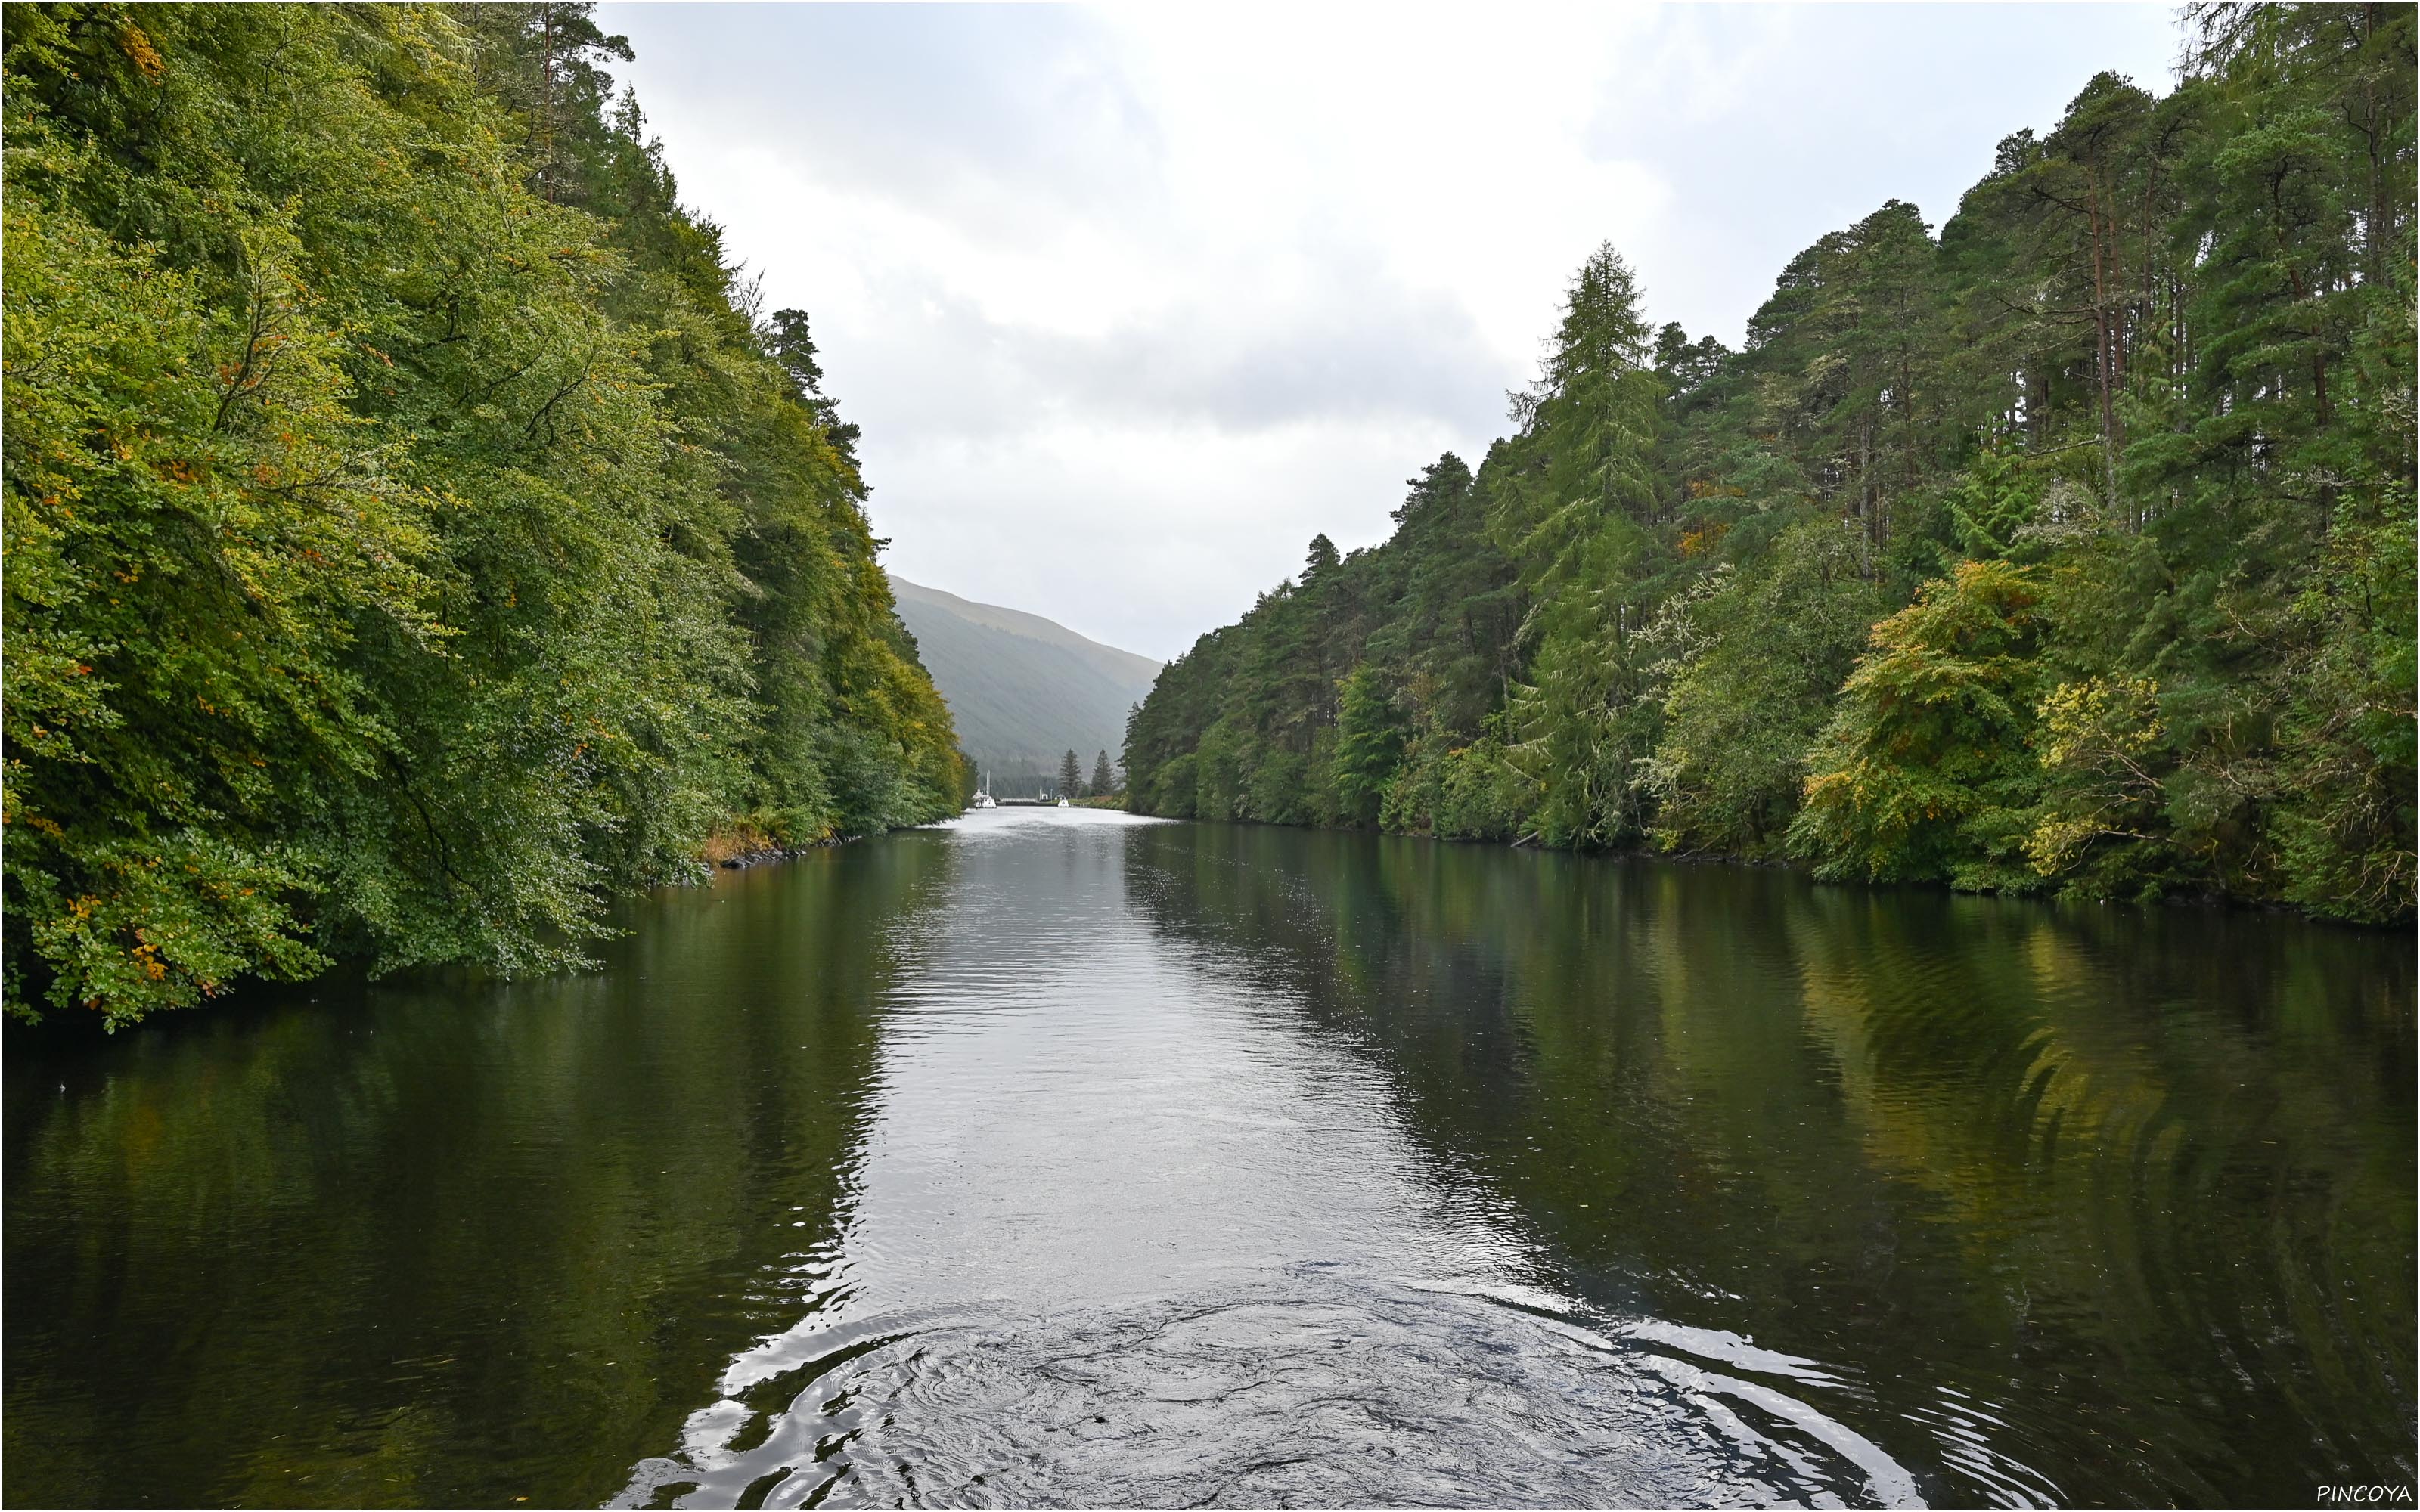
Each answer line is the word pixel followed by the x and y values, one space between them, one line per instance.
pixel 1058 1156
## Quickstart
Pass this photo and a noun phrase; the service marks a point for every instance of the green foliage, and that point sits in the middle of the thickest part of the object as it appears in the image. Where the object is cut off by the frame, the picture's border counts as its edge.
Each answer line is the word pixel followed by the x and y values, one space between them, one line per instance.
pixel 1368 746
pixel 2073 548
pixel 2100 740
pixel 1582 463
pixel 412 538
pixel 1459 791
pixel 1993 503
pixel 1925 771
pixel 1760 657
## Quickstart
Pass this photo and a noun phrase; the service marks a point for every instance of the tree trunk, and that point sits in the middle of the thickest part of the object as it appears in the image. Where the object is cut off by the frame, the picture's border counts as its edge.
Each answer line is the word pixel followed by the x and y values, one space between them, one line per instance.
pixel 2104 358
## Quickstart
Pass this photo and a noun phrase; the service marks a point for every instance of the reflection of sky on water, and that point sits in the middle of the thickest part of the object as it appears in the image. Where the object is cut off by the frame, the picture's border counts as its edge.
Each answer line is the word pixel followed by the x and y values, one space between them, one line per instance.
pixel 1128 1231
pixel 1143 1163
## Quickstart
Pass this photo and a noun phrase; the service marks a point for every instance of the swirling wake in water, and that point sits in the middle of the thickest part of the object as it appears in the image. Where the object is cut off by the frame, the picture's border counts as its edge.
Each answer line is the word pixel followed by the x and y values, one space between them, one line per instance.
pixel 1126 1234
pixel 1059 1157
pixel 1310 1389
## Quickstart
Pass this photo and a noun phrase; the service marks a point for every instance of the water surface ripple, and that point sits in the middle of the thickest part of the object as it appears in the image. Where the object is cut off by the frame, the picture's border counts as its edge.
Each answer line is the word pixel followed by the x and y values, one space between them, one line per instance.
pixel 1062 1158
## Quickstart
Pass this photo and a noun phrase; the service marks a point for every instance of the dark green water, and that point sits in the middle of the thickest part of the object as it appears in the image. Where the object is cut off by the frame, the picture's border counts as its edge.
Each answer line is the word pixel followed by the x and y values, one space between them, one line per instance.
pixel 1061 1157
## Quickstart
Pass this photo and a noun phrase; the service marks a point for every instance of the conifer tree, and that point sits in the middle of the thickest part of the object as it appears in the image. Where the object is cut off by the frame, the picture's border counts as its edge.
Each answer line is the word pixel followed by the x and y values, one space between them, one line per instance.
pixel 2072 549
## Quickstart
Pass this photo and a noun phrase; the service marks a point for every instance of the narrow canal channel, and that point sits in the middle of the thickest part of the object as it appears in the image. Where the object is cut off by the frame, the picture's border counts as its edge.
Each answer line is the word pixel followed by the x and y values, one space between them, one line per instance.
pixel 1056 1156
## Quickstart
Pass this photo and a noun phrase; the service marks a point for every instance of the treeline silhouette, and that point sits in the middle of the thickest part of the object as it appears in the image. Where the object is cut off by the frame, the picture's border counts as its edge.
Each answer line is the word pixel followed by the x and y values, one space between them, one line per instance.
pixel 2070 548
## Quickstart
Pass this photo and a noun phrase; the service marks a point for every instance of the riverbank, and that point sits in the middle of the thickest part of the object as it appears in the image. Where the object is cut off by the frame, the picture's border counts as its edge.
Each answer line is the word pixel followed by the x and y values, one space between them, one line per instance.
pixel 2050 889
pixel 743 846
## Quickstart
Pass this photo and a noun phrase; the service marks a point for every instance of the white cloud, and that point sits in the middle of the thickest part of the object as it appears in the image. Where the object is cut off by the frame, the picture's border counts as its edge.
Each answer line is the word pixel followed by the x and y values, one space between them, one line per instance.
pixel 1131 302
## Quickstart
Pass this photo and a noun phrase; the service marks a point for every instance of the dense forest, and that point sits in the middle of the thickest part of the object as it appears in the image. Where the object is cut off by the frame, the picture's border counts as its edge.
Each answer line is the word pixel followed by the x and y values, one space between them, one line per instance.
pixel 2069 550
pixel 416 529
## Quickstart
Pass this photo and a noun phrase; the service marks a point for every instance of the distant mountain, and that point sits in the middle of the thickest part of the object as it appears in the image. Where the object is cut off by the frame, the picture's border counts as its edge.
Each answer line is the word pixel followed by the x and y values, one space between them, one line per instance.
pixel 1022 690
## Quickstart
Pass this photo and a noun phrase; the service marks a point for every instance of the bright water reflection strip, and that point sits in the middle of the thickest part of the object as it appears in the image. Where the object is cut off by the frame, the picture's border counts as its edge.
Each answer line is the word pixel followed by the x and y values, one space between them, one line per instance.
pixel 1128 1231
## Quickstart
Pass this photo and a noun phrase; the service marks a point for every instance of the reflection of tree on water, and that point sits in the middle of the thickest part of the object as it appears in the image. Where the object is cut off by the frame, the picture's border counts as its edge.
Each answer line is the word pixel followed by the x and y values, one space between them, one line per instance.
pixel 2004 1173
pixel 2161 1137
pixel 515 1243
pixel 2137 1185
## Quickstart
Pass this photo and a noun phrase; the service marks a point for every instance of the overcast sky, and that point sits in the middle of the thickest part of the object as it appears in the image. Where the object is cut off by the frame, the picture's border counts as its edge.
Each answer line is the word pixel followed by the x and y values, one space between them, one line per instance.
pixel 1131 302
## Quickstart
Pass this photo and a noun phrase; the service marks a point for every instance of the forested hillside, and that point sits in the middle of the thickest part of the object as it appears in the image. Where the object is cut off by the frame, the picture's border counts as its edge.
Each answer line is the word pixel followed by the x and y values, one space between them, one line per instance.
pixel 415 529
pixel 1021 689
pixel 2069 550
